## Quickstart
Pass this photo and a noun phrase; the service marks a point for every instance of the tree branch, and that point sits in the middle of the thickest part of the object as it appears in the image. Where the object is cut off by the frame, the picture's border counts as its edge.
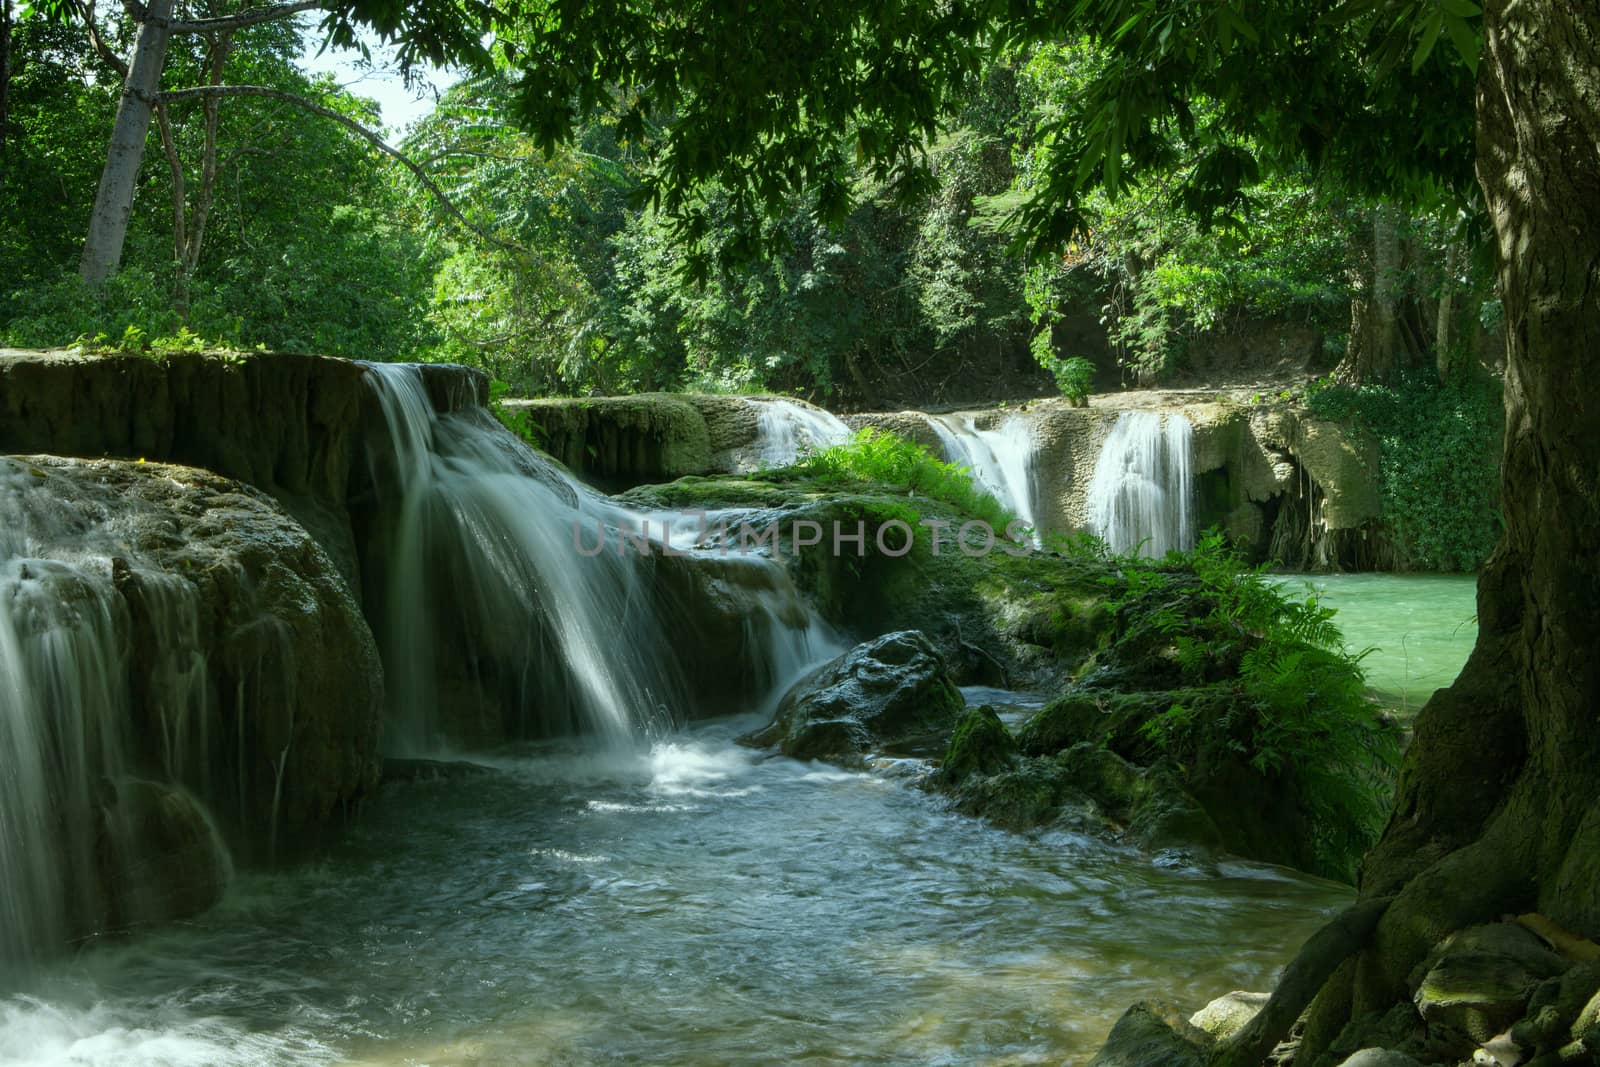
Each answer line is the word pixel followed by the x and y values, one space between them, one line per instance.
pixel 359 130
pixel 248 18
pixel 103 50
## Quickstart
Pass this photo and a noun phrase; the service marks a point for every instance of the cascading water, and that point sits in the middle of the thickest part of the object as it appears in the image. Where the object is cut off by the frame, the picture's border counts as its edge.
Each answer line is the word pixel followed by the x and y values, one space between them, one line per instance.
pixel 1142 492
pixel 1001 460
pixel 787 430
pixel 80 836
pixel 500 563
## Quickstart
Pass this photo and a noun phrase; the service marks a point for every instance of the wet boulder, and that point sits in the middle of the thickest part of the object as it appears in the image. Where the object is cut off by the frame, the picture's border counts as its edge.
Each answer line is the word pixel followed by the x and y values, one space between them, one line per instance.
pixel 981 745
pixel 1379 1057
pixel 888 696
pixel 160 855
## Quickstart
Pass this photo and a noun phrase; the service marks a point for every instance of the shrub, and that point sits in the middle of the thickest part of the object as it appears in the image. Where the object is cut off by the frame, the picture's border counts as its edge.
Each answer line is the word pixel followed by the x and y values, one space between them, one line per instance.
pixel 1301 713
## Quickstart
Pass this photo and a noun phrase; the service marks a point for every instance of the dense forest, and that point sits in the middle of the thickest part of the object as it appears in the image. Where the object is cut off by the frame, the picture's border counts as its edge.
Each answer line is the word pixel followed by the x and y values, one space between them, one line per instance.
pixel 257 223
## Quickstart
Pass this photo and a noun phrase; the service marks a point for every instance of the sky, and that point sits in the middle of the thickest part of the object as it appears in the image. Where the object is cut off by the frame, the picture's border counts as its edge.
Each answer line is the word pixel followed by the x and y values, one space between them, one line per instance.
pixel 381 81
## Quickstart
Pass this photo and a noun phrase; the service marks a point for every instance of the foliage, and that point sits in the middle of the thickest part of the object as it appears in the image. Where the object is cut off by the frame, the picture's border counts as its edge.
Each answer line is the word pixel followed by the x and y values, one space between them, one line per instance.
pixel 1440 463
pixel 1304 713
pixel 1074 376
pixel 307 247
pixel 887 459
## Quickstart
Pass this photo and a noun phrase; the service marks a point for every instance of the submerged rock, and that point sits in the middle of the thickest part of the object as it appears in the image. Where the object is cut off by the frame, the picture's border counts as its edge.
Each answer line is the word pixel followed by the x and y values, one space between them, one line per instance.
pixel 891 695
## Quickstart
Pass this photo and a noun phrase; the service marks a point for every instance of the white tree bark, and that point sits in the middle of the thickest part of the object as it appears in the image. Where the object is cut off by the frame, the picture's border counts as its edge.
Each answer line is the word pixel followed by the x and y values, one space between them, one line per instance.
pixel 113 202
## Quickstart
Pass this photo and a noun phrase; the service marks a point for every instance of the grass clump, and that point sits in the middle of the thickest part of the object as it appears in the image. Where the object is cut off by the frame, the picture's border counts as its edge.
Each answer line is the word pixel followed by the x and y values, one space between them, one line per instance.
pixel 886 459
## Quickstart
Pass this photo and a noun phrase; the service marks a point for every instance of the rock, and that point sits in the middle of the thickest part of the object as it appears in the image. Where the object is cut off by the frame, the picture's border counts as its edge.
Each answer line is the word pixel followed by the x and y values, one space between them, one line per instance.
pixel 1228 1014
pixel 619 441
pixel 1379 1057
pixel 293 426
pixel 1556 1009
pixel 728 619
pixel 890 695
pixel 1152 1035
pixel 215 574
pixel 981 744
pixel 160 856
pixel 416 769
pixel 1479 981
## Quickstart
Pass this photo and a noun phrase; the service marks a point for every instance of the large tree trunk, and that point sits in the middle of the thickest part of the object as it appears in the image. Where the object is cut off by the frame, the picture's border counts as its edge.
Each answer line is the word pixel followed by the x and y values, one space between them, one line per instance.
pixel 1495 812
pixel 113 202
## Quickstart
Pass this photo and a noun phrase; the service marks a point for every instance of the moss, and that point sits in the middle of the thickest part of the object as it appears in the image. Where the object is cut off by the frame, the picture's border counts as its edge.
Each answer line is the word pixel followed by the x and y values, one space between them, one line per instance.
pixel 981 744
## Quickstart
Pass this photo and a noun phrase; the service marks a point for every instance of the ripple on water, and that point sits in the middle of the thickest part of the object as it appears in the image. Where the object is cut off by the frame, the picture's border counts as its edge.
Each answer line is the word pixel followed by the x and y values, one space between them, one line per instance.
pixel 691 904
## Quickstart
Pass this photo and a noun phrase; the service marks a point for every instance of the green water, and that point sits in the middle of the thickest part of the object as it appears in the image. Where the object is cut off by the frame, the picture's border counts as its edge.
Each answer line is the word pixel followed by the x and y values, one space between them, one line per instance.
pixel 1420 627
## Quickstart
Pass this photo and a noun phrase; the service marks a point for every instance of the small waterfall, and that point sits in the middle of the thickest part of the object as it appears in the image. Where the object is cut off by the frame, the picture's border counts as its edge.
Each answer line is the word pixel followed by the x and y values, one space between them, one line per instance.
pixel 498 606
pixel 1001 460
pixel 1141 496
pixel 84 844
pixel 787 430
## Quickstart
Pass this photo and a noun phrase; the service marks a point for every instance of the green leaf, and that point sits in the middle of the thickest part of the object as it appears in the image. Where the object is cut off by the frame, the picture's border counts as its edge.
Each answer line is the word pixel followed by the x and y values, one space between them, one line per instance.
pixel 1432 23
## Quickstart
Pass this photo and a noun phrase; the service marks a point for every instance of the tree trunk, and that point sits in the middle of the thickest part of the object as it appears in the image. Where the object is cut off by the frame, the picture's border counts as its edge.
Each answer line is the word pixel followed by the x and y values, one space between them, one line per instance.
pixel 113 202
pixel 5 85
pixel 1379 343
pixel 1446 337
pixel 1495 809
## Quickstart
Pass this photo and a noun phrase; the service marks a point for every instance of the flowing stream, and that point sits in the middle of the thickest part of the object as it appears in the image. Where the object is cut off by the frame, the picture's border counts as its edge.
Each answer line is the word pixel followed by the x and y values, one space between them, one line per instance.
pixel 644 894
pixel 689 903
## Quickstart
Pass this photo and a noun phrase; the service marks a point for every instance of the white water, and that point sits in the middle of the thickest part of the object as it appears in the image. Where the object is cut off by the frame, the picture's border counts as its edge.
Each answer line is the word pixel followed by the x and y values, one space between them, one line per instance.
pixel 787 430
pixel 1141 496
pixel 1001 460
pixel 489 557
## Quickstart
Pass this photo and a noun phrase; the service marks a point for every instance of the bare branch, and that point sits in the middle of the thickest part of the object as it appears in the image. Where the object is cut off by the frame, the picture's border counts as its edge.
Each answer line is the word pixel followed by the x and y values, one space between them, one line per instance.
pixel 103 50
pixel 359 130
pixel 248 18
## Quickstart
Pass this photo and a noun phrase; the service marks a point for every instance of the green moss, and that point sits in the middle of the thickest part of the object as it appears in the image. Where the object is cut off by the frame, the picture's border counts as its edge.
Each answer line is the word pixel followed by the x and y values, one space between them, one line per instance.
pixel 981 744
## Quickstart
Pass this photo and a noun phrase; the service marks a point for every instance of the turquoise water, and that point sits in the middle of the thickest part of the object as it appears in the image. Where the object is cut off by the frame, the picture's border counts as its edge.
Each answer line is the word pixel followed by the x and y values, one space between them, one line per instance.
pixel 1420 627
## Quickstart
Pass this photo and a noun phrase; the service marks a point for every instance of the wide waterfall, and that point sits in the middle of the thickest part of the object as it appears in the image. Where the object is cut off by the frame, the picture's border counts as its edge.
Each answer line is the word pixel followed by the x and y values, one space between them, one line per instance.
pixel 1001 460
pixel 1141 496
pixel 787 430
pixel 509 589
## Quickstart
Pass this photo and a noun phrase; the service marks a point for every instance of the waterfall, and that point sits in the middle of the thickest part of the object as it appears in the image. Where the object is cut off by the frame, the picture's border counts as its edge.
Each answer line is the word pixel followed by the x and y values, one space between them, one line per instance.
pixel 787 429
pixel 1001 460
pixel 1141 496
pixel 84 845
pixel 495 609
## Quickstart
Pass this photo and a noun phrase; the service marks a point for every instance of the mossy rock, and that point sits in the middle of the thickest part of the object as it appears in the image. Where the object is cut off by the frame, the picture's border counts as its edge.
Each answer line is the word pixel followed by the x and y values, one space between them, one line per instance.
pixel 981 745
